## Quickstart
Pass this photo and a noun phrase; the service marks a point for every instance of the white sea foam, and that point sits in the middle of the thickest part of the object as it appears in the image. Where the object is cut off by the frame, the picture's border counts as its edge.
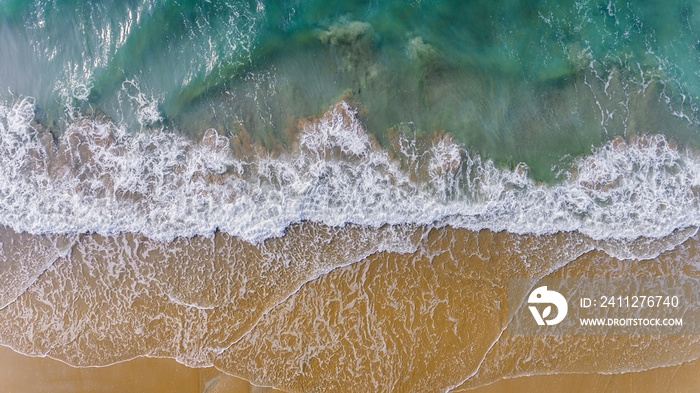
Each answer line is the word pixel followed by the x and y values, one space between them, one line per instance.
pixel 102 178
pixel 146 108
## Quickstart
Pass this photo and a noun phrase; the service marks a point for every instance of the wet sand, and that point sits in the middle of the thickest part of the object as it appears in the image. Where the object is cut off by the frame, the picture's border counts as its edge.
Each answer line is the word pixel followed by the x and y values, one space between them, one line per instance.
pixel 20 373
pixel 323 309
pixel 674 379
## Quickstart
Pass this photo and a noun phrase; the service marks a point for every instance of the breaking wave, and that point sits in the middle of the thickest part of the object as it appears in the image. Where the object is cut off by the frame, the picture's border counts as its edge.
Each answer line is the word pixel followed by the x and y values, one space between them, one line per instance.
pixel 100 177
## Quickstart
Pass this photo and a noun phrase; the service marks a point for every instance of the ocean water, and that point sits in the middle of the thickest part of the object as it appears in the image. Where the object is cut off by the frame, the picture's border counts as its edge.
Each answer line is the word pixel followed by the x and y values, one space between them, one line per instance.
pixel 256 185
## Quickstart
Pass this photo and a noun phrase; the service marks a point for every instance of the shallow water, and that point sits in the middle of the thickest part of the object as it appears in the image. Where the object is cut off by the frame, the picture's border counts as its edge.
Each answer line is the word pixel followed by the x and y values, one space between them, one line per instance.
pixel 324 309
pixel 516 82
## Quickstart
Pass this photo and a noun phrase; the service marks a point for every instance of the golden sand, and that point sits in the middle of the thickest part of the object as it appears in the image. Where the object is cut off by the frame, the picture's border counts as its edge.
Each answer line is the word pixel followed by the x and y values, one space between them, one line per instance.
pixel 674 379
pixel 20 373
pixel 324 309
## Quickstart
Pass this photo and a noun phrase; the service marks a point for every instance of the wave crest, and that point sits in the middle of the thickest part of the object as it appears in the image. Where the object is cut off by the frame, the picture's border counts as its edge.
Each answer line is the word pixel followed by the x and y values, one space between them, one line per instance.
pixel 99 177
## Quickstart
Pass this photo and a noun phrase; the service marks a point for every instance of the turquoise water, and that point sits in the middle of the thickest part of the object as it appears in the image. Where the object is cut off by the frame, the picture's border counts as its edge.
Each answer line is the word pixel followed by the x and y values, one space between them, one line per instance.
pixel 516 81
pixel 182 118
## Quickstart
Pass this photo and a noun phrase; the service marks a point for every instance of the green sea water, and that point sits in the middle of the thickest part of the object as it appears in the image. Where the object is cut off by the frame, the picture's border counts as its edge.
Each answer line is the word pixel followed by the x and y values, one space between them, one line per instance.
pixel 516 81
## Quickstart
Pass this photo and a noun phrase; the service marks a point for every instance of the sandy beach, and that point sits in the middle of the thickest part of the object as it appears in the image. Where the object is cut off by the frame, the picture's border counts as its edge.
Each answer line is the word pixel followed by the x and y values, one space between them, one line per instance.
pixel 430 319
pixel 23 374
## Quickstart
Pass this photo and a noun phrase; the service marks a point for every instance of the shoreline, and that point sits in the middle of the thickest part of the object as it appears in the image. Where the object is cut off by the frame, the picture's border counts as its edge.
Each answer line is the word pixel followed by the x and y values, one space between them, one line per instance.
pixel 401 312
pixel 166 375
